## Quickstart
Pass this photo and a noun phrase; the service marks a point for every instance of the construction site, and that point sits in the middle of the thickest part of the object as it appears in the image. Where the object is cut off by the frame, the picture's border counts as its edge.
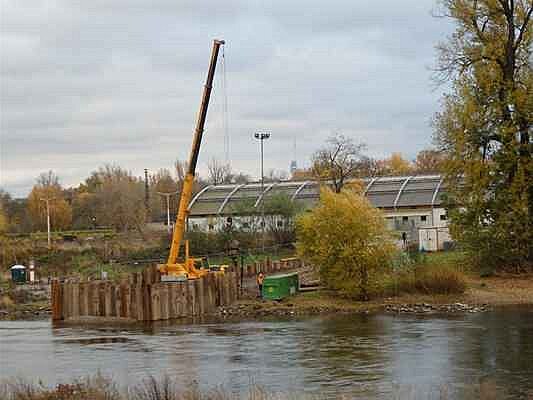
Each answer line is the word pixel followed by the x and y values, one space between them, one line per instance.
pixel 152 261
pixel 181 287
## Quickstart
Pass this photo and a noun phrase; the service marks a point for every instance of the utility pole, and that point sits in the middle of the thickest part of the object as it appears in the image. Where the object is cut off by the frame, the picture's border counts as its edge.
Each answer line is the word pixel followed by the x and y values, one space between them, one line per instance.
pixel 167 195
pixel 146 194
pixel 262 136
pixel 47 201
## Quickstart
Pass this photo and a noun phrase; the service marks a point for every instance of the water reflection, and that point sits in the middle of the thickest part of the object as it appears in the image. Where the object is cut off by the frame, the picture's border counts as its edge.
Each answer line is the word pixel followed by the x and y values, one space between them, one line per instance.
pixel 498 348
pixel 347 354
pixel 364 356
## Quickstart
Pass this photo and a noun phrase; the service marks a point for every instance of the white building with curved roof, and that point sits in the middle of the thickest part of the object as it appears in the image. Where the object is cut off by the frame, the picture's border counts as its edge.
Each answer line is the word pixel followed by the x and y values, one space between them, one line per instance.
pixel 410 203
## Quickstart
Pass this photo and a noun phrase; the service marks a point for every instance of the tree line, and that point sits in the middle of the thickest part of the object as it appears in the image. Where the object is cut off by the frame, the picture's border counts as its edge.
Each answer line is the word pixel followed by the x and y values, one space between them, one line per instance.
pixel 483 136
pixel 112 196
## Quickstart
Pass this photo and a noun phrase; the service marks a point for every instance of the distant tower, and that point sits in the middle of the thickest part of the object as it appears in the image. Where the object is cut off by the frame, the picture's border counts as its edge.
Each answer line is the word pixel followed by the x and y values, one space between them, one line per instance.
pixel 294 166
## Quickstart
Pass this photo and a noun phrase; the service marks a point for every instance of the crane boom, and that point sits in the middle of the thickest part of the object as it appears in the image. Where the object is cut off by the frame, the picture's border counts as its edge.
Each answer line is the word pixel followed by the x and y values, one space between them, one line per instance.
pixel 172 268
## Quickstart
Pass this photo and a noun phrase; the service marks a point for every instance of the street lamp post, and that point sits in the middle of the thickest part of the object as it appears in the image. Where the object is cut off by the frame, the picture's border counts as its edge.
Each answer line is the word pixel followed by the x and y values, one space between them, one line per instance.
pixel 167 195
pixel 47 201
pixel 146 194
pixel 261 136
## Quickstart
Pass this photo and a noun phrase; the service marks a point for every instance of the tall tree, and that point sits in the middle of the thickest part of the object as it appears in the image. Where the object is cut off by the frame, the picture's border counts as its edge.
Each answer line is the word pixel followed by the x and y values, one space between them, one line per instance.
pixel 337 161
pixel 4 223
pixel 485 128
pixel 241 178
pixel 16 212
pixel 5 198
pixel 163 185
pixel 370 167
pixel 180 167
pixel 280 212
pixel 84 209
pixel 429 162
pixel 48 190
pixel 218 173
pixel 397 165
pixel 119 198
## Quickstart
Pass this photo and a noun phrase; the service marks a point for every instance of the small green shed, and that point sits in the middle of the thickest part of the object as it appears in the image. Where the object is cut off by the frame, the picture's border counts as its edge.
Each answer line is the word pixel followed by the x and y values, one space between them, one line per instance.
pixel 18 273
pixel 277 287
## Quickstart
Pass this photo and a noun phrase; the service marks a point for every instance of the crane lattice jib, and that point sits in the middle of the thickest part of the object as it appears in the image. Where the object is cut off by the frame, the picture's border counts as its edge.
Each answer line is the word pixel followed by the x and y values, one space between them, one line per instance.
pixel 186 192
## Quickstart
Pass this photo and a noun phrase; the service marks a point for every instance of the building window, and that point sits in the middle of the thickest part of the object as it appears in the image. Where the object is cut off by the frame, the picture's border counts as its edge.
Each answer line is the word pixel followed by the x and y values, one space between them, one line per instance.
pixel 211 227
pixel 423 218
pixel 245 225
pixel 405 219
pixel 280 224
pixel 443 217
pixel 262 224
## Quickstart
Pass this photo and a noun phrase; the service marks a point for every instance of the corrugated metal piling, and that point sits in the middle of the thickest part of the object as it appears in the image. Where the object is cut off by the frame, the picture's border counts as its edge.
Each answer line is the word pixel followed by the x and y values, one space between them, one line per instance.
pixel 143 297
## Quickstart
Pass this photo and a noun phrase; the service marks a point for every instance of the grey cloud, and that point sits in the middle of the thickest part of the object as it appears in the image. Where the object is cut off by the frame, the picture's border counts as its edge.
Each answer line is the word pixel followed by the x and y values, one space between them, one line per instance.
pixel 88 82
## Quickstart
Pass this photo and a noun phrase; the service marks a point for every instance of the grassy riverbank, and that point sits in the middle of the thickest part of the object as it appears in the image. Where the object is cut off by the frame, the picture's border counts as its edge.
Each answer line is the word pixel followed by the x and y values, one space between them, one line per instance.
pixel 24 303
pixel 480 294
pixel 440 282
pixel 441 279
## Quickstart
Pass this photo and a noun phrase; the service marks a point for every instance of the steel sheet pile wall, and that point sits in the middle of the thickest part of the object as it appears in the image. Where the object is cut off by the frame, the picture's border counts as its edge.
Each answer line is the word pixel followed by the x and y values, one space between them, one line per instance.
pixel 270 266
pixel 143 297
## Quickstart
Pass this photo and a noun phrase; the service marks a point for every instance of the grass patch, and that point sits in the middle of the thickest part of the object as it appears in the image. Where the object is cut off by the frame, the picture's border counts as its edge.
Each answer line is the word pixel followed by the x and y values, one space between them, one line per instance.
pixel 437 273
pixel 432 280
pixel 456 259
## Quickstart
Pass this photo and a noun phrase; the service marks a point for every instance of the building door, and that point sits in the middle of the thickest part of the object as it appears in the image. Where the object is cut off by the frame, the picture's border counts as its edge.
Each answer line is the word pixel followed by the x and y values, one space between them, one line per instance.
pixel 427 239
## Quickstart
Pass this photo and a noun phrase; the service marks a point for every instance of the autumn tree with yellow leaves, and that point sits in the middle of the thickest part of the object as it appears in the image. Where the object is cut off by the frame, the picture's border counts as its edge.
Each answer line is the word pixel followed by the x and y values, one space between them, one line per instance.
pixel 485 129
pixel 3 220
pixel 346 238
pixel 48 189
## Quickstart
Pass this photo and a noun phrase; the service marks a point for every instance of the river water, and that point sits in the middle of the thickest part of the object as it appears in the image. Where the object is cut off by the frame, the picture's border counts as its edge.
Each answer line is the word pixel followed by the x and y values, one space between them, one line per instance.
pixel 359 355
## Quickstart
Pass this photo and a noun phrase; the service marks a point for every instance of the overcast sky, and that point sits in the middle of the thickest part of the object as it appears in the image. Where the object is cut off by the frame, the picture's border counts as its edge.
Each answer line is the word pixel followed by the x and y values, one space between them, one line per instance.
pixel 89 82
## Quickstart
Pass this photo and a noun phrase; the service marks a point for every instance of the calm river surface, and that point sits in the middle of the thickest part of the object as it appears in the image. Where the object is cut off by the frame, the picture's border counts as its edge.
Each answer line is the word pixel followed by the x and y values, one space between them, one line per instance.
pixel 357 355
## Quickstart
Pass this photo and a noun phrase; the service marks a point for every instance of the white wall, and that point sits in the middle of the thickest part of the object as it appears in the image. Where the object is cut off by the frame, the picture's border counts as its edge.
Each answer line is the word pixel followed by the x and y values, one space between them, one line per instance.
pixel 239 222
pixel 439 217
pixel 403 219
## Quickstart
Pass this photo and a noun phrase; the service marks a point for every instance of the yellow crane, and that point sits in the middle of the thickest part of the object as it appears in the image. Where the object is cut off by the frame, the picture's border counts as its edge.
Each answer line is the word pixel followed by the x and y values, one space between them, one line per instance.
pixel 173 270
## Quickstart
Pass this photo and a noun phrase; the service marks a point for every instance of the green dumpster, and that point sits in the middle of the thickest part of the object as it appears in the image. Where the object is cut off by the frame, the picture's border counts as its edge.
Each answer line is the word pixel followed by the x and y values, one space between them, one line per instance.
pixel 277 287
pixel 18 273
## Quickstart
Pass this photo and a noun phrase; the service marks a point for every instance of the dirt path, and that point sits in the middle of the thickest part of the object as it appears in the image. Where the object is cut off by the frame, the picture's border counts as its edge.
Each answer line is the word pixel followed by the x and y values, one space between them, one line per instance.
pixel 501 290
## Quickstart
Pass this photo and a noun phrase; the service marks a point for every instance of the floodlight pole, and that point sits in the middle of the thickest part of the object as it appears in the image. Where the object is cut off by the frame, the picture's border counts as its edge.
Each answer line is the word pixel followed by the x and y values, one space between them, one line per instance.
pixel 261 136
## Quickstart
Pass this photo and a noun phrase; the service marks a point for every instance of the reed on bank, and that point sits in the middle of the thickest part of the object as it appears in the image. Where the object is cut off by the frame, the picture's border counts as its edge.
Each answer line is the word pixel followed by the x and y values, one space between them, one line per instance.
pixel 165 388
